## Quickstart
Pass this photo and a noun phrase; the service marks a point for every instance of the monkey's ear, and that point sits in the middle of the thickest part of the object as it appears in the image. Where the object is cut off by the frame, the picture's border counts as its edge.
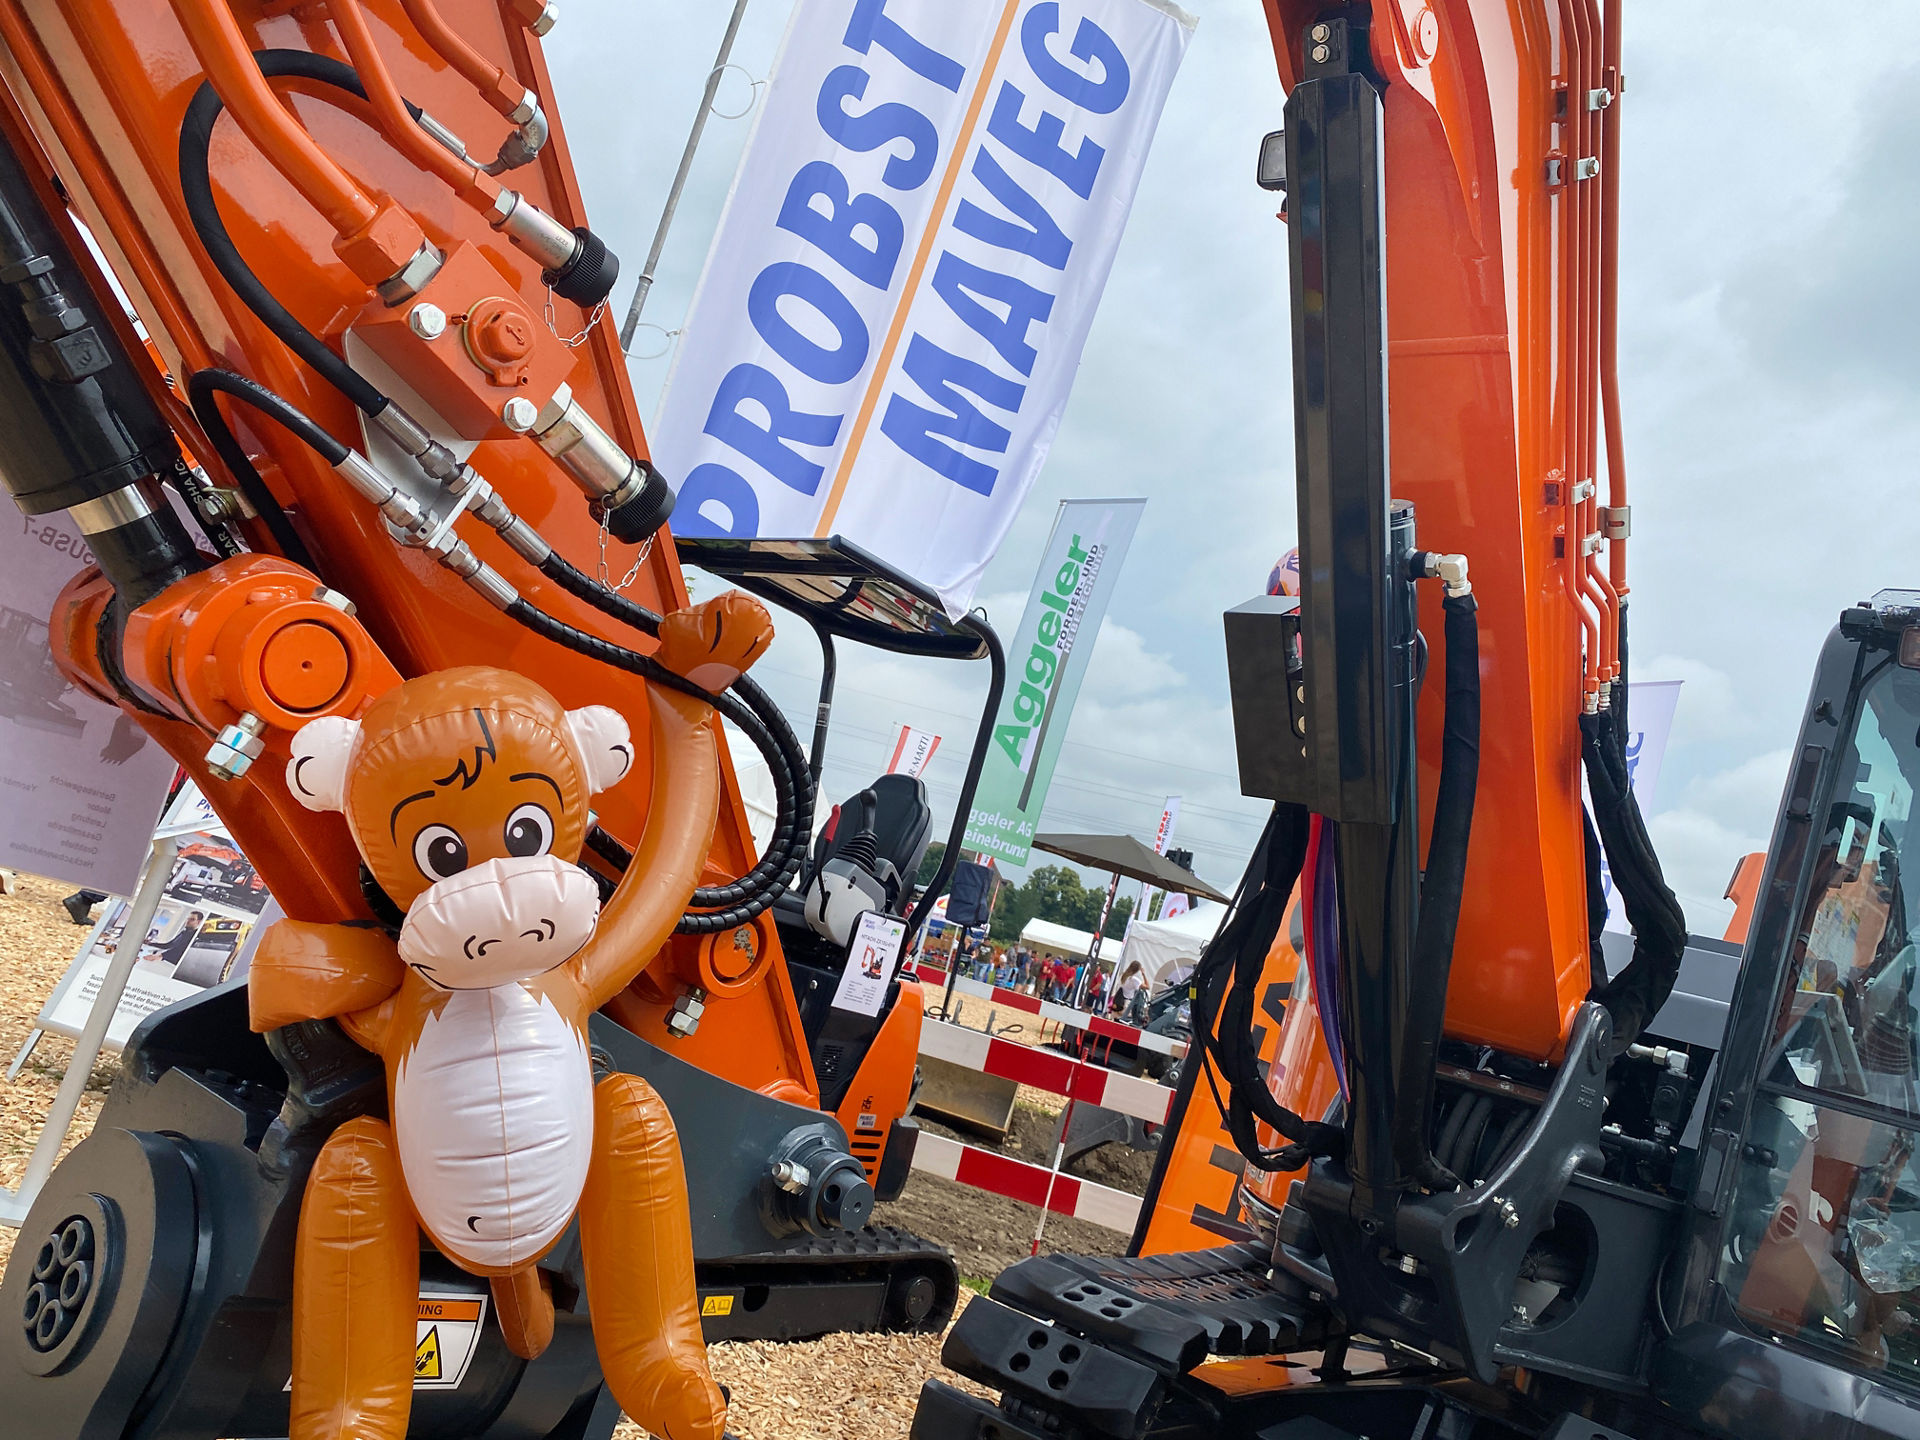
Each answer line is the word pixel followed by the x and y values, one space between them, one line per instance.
pixel 605 743
pixel 317 774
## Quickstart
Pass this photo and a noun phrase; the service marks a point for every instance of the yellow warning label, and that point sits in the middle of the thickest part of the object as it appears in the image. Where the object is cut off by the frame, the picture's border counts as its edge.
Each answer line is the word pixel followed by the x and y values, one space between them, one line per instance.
pixel 717 1305
pixel 426 1355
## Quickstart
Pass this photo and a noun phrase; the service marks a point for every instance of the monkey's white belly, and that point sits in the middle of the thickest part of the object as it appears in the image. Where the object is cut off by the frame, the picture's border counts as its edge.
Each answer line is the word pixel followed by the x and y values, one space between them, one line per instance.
pixel 493 1112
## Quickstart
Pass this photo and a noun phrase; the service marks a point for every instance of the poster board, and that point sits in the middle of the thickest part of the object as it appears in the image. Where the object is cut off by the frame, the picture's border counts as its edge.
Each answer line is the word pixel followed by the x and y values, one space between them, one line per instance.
pixel 80 779
pixel 212 913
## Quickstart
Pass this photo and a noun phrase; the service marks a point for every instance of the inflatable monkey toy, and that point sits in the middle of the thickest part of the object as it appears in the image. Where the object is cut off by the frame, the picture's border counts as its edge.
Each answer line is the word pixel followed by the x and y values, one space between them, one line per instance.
pixel 466 792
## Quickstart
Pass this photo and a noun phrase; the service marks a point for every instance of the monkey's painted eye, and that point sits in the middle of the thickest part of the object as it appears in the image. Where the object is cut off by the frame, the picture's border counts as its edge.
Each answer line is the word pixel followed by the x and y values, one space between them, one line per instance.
pixel 529 830
pixel 439 852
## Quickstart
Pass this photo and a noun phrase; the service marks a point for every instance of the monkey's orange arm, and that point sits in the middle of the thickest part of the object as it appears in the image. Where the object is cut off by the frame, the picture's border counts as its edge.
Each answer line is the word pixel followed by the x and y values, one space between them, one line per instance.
pixel 315 972
pixel 712 645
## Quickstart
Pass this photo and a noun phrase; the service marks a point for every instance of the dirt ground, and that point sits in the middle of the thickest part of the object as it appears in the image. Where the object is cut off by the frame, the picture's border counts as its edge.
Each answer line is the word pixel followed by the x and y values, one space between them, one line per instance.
pixel 844 1387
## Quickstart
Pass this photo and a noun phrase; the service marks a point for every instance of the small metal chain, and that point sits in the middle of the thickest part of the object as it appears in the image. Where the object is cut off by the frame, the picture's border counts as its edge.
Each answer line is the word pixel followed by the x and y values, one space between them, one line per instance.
pixel 639 559
pixel 574 342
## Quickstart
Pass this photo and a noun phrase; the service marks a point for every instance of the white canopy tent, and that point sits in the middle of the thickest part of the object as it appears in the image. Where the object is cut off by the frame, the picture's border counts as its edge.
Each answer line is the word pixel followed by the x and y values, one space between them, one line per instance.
pixel 1168 949
pixel 1052 939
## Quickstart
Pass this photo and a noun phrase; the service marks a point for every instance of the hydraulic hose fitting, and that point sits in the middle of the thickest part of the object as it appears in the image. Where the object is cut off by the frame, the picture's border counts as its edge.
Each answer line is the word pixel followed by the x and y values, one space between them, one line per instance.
pixel 632 496
pixel 524 144
pixel 538 16
pixel 1450 570
pixel 576 263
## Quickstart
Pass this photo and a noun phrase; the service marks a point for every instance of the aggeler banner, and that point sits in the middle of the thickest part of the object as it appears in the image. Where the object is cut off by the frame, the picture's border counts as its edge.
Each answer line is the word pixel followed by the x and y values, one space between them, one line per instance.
pixel 1046 658
pixel 890 318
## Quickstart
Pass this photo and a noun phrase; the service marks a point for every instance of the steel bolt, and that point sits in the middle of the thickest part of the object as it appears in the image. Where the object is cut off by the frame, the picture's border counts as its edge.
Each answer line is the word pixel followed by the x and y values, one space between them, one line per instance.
pixel 519 413
pixel 1509 1216
pixel 1319 33
pixel 427 320
pixel 1320 54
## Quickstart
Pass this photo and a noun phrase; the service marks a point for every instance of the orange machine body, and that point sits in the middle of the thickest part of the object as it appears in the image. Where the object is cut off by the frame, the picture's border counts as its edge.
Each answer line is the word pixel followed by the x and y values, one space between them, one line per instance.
pixel 100 87
pixel 1487 419
pixel 1195 1203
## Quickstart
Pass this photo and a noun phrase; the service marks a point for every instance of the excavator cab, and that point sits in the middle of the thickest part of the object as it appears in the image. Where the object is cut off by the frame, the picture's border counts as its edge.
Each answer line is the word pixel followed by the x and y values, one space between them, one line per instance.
pixel 1800 1307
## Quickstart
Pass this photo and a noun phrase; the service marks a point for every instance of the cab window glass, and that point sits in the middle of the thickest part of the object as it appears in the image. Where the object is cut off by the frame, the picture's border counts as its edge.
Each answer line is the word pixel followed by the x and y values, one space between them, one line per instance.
pixel 1825 1239
pixel 1848 1020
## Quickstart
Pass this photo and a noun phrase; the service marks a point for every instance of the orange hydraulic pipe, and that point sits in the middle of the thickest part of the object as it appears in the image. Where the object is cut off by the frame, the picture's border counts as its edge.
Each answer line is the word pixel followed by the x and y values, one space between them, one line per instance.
pixel 1573 576
pixel 495 85
pixel 1610 291
pixel 477 189
pixel 1587 237
pixel 222 48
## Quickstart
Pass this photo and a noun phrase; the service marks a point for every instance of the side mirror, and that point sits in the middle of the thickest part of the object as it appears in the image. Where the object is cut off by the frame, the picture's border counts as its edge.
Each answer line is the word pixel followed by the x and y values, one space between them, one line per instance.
pixel 1271 173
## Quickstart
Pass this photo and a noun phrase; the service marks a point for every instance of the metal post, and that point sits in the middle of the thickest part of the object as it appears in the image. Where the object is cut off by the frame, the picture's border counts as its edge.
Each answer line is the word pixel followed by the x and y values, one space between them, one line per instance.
pixel 14 1204
pixel 680 176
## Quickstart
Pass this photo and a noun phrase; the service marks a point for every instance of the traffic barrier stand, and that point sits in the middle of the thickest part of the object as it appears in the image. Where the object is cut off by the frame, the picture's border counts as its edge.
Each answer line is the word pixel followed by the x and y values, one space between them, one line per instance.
pixel 1019 1180
pixel 1077 1081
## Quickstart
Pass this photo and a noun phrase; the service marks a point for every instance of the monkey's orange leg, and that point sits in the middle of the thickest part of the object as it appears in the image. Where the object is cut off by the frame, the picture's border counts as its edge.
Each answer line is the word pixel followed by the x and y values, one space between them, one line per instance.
pixel 356 1288
pixel 637 1241
pixel 524 1303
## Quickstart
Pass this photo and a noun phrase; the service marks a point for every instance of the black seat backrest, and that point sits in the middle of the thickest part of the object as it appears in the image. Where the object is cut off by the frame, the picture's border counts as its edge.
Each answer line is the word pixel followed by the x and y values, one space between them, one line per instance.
pixel 902 820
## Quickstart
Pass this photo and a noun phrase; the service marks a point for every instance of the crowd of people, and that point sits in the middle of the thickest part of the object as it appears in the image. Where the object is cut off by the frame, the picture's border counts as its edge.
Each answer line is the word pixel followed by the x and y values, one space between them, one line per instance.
pixel 1052 977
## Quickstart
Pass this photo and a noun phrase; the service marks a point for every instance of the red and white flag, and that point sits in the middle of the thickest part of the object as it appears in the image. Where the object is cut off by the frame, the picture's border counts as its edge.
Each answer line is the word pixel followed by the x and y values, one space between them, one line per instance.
pixel 911 751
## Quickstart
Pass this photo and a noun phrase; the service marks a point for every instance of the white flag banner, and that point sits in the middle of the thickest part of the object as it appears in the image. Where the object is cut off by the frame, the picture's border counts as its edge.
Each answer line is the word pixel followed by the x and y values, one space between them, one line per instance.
pixel 893 310
pixel 1650 707
pixel 911 751
pixel 1169 817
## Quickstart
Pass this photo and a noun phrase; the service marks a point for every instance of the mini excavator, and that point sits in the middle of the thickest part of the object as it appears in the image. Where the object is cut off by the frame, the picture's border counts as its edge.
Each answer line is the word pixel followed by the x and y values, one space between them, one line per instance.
pixel 390 432
pixel 1482 1170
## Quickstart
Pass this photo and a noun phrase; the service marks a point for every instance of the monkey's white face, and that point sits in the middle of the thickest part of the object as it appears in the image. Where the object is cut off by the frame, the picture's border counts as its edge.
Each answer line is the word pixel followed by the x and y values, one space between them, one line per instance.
pixel 502 920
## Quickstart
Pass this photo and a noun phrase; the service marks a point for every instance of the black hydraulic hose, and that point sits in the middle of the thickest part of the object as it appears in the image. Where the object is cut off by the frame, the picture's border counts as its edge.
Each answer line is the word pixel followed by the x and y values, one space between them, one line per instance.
pixel 558 631
pixel 202 386
pixel 763 723
pixel 1226 984
pixel 203 383
pixel 1440 893
pixel 196 185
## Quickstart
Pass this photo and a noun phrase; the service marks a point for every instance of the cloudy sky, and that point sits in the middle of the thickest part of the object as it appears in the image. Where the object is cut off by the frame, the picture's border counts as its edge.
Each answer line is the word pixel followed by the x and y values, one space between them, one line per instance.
pixel 1770 190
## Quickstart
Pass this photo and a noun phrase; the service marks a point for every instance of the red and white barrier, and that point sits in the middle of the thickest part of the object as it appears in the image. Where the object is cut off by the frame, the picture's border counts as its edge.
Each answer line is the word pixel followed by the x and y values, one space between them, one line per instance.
pixel 1003 1175
pixel 1046 1070
pixel 1047 1010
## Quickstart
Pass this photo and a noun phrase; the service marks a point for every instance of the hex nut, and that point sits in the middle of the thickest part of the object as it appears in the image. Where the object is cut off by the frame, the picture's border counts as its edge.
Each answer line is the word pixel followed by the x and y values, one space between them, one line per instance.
pixel 519 413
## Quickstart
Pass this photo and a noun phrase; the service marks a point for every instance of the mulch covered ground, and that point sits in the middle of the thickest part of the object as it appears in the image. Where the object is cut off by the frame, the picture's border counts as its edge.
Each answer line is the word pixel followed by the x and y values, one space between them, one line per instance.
pixel 845 1387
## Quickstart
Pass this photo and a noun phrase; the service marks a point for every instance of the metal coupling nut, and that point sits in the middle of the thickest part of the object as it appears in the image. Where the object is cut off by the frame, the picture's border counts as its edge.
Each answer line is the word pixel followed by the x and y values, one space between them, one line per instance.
pixel 684 1018
pixel 236 747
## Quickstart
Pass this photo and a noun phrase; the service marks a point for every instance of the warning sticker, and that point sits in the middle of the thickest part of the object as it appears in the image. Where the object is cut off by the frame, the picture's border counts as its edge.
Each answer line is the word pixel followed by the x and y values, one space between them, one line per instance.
pixel 448 1332
pixel 716 1305
pixel 446 1335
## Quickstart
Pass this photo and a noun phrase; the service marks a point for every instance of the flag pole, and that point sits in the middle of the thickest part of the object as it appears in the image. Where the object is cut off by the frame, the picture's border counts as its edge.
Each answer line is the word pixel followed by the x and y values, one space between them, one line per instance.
pixel 680 176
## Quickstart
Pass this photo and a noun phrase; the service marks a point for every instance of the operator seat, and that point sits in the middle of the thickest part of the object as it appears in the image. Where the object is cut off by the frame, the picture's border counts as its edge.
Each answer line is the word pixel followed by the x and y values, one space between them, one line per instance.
pixel 902 821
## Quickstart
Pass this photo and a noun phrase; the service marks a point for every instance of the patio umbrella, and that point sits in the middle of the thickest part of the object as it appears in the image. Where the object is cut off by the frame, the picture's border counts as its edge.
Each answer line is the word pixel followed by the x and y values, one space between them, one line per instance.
pixel 1124 855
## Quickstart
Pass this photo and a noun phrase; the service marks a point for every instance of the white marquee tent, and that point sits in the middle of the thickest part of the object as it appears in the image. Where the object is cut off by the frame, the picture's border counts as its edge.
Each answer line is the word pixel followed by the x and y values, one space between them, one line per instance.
pixel 1062 940
pixel 1167 949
